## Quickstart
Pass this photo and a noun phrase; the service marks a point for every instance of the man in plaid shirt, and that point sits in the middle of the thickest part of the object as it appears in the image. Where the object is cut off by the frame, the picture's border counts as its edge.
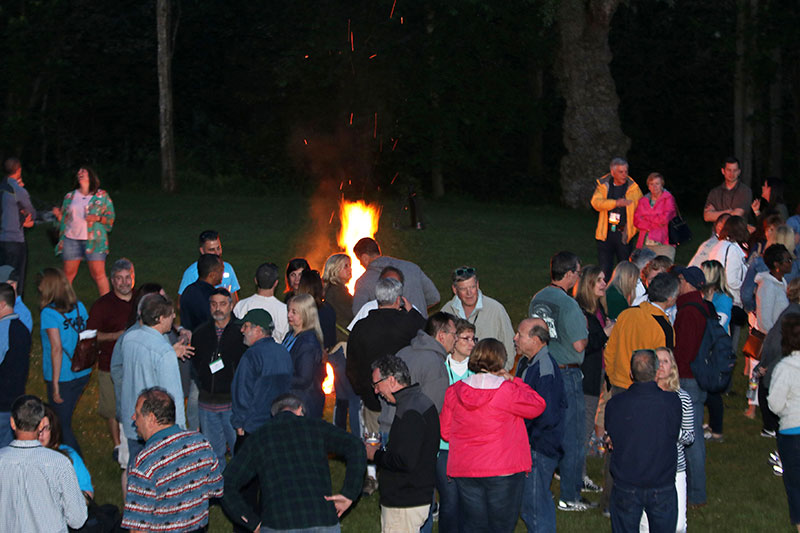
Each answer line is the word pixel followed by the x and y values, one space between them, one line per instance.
pixel 174 476
pixel 289 454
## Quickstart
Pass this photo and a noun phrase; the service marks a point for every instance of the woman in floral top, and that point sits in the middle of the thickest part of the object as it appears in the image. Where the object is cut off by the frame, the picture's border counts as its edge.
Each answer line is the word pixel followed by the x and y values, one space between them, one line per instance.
pixel 86 215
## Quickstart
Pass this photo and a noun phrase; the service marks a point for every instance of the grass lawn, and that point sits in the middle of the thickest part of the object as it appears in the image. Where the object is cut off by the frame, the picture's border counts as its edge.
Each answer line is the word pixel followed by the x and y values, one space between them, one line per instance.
pixel 510 245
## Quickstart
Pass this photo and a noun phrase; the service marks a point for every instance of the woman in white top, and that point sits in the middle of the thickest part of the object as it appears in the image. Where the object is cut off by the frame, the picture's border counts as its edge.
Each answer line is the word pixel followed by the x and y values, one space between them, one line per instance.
pixel 730 251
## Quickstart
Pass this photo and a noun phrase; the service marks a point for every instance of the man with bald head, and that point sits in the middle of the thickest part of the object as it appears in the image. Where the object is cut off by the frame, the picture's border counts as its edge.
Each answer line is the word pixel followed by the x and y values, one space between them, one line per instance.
pixel 538 369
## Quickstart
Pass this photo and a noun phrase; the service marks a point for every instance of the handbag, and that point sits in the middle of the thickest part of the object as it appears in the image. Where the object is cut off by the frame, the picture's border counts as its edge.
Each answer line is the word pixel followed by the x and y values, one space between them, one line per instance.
pixel 679 231
pixel 752 346
pixel 85 354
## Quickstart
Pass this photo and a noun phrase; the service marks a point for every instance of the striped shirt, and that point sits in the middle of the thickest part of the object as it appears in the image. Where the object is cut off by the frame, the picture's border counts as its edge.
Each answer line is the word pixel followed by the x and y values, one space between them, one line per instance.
pixel 686 436
pixel 171 482
pixel 38 490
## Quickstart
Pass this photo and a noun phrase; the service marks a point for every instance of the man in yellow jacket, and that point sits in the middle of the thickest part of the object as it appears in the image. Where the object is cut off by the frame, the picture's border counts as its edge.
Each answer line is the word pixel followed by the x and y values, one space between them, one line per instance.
pixel 615 199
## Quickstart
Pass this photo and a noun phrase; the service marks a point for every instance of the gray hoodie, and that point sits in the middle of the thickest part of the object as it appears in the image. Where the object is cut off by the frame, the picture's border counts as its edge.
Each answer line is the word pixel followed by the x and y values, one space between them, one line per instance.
pixel 426 359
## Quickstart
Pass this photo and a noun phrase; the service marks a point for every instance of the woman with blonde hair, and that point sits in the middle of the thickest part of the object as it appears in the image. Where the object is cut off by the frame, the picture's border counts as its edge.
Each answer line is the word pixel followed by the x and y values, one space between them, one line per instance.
pixel 716 291
pixel 304 343
pixel 62 320
pixel 653 213
pixel 667 379
pixel 621 288
pixel 335 276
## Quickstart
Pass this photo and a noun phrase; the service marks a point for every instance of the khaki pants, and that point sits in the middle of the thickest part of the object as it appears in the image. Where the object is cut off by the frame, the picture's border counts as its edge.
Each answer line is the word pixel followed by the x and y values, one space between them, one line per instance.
pixel 403 519
pixel 369 420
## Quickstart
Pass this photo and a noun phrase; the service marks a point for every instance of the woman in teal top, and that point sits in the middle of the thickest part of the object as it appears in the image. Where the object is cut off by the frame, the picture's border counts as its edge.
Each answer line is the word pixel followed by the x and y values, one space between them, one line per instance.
pixel 50 437
pixel 456 371
pixel 62 319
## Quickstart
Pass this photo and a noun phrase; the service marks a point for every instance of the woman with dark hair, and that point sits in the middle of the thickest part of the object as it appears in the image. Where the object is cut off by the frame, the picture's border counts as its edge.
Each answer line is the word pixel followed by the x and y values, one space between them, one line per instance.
pixel 311 283
pixel 86 216
pixel 483 419
pixel 730 251
pixel 294 269
pixel 771 202
pixel 50 437
pixel 784 401
pixel 62 320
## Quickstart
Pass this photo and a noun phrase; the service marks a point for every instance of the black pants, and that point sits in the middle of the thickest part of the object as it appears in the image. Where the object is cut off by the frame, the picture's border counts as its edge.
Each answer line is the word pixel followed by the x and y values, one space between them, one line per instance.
pixel 768 418
pixel 16 255
pixel 716 410
pixel 607 249
pixel 250 492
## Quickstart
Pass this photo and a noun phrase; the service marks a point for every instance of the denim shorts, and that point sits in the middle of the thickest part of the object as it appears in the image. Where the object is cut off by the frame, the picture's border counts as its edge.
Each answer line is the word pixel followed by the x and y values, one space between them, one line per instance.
pixel 75 250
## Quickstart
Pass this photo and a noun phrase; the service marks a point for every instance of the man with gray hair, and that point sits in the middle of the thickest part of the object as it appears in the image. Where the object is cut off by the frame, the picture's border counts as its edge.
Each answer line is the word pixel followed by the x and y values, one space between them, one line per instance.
pixel 385 330
pixel 643 424
pixel 146 359
pixel 638 328
pixel 640 257
pixel 291 450
pixel 487 314
pixel 407 462
pixel 539 370
pixel 109 315
pixel 38 489
pixel 615 199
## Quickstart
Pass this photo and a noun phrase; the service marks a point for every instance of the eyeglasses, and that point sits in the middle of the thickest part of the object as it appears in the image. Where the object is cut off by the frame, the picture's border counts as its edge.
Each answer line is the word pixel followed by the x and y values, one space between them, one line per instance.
pixel 468 339
pixel 465 272
pixel 375 384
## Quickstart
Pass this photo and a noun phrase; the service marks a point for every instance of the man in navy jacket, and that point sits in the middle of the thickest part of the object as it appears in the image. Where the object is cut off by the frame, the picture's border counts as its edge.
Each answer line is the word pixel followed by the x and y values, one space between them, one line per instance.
pixel 643 424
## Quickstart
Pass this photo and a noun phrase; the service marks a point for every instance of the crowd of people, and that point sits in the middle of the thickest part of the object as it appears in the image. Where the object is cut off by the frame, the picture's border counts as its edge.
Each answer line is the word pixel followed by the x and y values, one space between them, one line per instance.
pixel 454 414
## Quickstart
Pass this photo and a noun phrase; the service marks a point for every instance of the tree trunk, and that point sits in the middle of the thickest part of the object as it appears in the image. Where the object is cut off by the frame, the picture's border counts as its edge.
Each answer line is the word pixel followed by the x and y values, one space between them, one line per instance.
pixel 592 131
pixel 744 90
pixel 437 144
pixel 535 155
pixel 776 117
pixel 163 25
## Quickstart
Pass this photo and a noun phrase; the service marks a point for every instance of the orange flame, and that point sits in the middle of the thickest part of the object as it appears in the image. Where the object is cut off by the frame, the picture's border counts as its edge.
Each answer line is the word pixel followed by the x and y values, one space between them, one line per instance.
pixel 327 384
pixel 359 220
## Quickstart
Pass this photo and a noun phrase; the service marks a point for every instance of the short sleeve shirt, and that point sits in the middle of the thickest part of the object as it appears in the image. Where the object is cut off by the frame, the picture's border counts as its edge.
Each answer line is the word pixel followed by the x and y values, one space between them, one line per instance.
pixel 564 319
pixel 229 280
pixel 108 314
pixel 68 326
pixel 722 198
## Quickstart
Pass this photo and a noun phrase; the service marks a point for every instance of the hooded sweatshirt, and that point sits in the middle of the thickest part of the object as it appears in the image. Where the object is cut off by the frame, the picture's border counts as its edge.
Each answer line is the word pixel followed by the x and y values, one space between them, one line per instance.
pixel 770 300
pixel 483 419
pixel 784 391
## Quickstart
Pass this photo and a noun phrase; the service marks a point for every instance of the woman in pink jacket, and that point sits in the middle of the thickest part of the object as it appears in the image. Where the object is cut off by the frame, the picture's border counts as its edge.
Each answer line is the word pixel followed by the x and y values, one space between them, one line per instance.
pixel 483 420
pixel 653 213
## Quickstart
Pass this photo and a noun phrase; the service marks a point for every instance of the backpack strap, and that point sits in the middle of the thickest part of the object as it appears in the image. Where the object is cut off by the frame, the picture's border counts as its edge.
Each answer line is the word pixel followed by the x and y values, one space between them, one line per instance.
pixel 669 333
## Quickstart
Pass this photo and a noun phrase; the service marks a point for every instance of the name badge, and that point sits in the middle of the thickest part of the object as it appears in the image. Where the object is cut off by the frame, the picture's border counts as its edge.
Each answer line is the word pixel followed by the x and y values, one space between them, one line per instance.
pixel 216 365
pixel 614 218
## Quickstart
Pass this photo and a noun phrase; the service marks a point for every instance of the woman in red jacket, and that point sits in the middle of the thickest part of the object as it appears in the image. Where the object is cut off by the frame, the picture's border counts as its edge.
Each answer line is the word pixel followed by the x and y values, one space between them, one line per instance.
pixel 483 420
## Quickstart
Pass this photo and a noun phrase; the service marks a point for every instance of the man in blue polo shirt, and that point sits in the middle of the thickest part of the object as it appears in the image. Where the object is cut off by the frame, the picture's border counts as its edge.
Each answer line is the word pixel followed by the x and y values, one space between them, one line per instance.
pixel 210 243
pixel 643 424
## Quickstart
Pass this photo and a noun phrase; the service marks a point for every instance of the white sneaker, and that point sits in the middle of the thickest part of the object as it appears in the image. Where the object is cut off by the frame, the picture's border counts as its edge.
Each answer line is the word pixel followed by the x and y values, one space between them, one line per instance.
pixel 580 505
pixel 590 486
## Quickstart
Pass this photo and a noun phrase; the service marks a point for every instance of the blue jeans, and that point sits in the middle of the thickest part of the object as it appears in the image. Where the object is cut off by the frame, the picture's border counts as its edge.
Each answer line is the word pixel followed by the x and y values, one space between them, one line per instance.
pixel 489 504
pixel 538 510
pixel 448 496
pixel 6 433
pixel 789 450
pixel 571 463
pixel 70 392
pixel 696 453
pixel 217 428
pixel 134 447
pixel 661 506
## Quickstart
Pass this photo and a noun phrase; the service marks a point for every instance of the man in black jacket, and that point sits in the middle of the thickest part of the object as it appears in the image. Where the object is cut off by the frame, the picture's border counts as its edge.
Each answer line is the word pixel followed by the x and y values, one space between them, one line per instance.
pixel 408 462
pixel 219 346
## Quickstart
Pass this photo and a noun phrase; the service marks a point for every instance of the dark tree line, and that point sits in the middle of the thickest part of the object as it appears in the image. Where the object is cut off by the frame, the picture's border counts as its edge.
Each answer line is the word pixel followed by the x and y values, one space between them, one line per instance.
pixel 481 98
